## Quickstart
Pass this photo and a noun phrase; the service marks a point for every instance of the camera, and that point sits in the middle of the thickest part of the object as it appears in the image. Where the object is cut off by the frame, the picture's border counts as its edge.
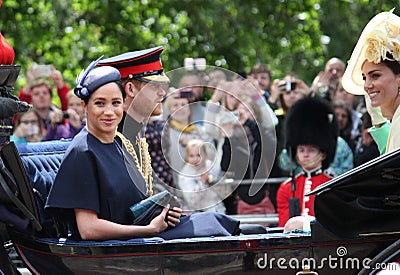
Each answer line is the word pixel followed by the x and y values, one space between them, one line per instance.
pixel 290 86
pixel 65 115
pixel 186 93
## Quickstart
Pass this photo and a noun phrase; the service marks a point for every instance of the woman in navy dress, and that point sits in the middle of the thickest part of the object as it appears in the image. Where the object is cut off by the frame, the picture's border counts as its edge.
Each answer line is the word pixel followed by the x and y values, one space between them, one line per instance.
pixel 98 179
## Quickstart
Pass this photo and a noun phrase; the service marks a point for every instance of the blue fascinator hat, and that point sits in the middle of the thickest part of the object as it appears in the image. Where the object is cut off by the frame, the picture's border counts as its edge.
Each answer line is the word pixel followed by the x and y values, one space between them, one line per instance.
pixel 91 79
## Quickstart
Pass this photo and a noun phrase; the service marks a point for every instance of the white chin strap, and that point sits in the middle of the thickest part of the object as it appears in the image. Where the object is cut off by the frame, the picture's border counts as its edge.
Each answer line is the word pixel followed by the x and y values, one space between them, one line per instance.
pixel 312 162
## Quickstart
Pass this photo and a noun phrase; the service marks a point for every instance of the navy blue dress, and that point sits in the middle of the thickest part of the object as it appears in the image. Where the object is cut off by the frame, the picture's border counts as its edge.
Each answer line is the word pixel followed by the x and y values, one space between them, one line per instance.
pixel 94 176
pixel 104 178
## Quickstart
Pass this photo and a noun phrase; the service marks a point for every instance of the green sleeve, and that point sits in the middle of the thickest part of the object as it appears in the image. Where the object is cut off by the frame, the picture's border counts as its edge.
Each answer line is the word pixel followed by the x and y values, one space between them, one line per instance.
pixel 381 135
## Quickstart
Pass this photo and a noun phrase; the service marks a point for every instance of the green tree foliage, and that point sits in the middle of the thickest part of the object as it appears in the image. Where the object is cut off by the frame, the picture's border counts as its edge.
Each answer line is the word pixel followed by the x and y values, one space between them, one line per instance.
pixel 287 35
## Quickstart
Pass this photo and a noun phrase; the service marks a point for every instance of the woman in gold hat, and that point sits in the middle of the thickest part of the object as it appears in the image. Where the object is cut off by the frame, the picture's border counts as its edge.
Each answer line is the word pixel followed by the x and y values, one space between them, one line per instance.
pixel 374 71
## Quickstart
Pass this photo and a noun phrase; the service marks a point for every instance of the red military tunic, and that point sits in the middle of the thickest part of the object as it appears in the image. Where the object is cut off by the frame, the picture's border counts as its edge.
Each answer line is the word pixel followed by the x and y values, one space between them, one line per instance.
pixel 305 182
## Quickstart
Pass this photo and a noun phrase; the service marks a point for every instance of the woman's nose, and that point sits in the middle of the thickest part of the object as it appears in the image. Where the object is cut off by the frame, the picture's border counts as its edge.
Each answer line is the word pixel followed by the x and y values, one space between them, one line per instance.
pixel 367 84
pixel 109 110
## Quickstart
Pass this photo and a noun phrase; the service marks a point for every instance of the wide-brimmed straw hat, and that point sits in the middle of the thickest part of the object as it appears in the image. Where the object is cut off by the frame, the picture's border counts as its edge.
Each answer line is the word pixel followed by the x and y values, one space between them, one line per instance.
pixel 380 36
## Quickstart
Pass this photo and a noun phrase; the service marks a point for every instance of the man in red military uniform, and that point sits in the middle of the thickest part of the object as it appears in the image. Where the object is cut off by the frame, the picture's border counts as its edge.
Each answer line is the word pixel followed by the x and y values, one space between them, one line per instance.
pixel 311 131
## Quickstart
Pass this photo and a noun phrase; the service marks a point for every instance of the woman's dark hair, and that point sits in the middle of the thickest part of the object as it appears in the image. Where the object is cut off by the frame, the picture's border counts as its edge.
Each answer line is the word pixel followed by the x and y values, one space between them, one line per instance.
pixel 121 88
pixel 346 132
pixel 119 83
pixel 392 64
pixel 349 126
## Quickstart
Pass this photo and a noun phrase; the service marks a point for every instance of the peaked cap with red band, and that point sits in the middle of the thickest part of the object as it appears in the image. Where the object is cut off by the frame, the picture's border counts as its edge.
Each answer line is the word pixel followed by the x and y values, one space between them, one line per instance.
pixel 144 65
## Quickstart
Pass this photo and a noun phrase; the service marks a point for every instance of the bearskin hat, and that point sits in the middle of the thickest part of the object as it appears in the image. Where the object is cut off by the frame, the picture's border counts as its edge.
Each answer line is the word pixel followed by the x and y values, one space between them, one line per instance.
pixel 312 121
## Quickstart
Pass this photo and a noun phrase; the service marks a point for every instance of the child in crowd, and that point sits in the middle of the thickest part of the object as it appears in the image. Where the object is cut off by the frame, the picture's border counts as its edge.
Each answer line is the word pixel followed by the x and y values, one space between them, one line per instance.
pixel 311 131
pixel 197 179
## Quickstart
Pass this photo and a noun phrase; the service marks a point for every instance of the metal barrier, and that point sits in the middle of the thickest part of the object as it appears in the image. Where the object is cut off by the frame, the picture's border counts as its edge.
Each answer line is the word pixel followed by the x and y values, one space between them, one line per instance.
pixel 256 218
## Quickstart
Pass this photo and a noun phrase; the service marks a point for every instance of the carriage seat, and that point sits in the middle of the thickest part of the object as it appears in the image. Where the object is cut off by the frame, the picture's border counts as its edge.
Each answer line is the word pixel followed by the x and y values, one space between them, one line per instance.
pixel 42 161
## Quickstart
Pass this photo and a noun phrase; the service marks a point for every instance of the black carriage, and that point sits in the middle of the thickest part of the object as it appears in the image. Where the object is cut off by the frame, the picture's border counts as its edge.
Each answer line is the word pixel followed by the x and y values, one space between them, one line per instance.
pixel 357 229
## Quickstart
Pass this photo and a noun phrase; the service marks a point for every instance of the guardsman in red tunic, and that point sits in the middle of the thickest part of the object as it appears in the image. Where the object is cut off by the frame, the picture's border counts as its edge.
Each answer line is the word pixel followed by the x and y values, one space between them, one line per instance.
pixel 311 136
pixel 305 182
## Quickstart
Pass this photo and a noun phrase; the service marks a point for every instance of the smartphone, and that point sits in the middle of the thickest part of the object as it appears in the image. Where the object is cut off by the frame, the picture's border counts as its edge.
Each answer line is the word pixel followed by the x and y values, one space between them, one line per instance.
pixel 186 93
pixel 194 64
pixel 42 70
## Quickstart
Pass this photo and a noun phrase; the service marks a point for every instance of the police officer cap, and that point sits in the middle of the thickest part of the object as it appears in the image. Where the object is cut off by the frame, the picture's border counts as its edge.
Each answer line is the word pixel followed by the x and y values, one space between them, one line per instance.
pixel 91 79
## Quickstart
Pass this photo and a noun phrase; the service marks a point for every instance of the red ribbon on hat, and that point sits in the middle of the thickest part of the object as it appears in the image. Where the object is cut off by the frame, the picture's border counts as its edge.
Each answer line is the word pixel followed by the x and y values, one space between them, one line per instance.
pixel 139 69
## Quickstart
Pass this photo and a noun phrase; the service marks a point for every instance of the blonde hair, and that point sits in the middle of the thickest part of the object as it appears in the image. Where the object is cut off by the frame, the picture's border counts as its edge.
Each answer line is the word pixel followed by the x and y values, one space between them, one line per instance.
pixel 193 143
pixel 42 82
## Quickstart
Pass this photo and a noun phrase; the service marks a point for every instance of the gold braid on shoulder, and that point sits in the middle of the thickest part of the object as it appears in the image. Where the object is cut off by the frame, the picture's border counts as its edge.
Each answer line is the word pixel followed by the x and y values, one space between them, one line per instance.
pixel 143 163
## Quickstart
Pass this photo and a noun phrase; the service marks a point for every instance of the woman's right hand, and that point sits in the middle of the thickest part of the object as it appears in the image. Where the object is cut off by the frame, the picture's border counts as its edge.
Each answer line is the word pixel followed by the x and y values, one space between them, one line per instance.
pixel 277 88
pixel 377 118
pixel 159 224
